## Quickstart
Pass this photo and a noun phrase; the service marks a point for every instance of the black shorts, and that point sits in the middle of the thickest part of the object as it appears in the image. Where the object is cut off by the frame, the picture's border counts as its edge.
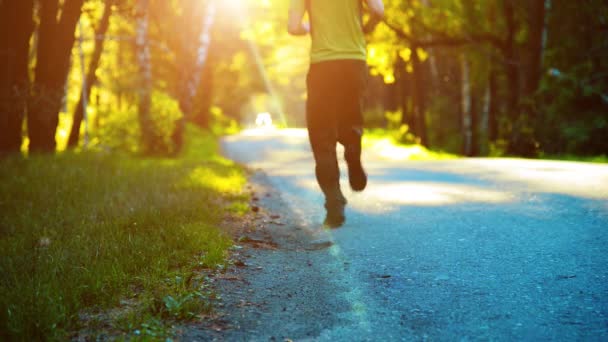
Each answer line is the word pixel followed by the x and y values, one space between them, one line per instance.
pixel 335 97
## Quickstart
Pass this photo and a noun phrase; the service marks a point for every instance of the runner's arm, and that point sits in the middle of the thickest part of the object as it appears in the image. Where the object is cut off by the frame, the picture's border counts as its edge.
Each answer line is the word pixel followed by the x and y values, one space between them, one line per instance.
pixel 296 25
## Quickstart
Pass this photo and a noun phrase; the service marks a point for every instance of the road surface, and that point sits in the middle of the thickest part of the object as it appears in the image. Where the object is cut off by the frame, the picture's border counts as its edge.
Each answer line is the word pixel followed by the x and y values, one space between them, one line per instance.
pixel 469 249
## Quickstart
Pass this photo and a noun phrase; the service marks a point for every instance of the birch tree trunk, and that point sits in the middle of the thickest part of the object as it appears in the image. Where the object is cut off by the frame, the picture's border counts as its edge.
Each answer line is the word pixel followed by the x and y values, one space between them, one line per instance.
pixel 192 80
pixel 467 107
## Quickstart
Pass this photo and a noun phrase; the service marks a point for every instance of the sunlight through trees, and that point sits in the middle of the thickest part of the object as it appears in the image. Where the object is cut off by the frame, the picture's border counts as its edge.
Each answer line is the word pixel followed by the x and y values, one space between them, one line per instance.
pixel 470 77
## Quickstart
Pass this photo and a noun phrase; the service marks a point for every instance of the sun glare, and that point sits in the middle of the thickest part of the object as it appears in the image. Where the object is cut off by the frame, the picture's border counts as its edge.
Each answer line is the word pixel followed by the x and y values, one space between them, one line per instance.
pixel 236 6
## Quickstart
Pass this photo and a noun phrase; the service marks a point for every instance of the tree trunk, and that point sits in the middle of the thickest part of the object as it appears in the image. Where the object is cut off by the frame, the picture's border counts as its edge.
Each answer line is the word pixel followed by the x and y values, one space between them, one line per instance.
pixel 406 100
pixel 419 108
pixel 402 93
pixel 535 46
pixel 521 141
pixel 203 107
pixel 474 121
pixel 433 79
pixel 521 135
pixel 56 39
pixel 145 69
pixel 16 27
pixel 493 105
pixel 511 62
pixel 532 75
pixel 484 121
pixel 91 78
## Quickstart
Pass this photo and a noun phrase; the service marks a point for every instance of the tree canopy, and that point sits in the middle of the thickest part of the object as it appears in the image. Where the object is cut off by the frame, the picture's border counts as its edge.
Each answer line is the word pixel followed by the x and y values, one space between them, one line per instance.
pixel 477 77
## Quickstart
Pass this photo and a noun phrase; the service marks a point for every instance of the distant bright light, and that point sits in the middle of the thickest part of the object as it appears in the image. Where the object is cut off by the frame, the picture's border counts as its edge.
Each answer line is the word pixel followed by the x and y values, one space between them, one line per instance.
pixel 264 120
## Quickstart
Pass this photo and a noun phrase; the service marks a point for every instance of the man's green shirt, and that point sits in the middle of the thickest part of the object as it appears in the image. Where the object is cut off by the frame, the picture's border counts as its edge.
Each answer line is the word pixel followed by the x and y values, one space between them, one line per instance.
pixel 337 31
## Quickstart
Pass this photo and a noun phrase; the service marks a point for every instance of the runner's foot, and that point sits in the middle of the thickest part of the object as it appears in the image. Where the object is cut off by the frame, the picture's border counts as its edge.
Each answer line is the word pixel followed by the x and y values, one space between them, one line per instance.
pixel 356 174
pixel 335 215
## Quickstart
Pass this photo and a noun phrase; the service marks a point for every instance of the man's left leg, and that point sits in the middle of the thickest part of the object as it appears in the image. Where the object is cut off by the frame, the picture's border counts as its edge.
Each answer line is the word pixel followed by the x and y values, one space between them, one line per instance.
pixel 323 143
pixel 322 132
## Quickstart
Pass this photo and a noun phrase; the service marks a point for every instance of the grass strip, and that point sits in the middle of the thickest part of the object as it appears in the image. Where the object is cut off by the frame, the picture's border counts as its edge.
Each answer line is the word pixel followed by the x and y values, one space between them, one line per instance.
pixel 384 142
pixel 586 159
pixel 387 144
pixel 85 232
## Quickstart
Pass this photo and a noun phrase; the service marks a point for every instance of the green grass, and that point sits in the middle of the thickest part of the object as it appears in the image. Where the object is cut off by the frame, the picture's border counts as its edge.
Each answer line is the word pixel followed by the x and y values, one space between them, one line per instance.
pixel 87 232
pixel 593 159
pixel 384 142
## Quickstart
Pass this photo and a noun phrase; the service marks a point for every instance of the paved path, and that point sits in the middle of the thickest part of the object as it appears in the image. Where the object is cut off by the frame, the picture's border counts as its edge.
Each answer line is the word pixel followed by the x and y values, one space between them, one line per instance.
pixel 471 249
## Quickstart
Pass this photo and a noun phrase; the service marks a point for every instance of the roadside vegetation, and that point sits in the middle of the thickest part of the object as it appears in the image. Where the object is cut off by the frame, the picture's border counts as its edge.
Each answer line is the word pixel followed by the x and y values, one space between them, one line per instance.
pixel 398 144
pixel 602 159
pixel 402 145
pixel 94 239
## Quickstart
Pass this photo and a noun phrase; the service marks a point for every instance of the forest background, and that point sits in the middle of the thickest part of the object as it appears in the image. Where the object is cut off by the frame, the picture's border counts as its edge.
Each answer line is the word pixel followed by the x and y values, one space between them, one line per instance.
pixel 474 77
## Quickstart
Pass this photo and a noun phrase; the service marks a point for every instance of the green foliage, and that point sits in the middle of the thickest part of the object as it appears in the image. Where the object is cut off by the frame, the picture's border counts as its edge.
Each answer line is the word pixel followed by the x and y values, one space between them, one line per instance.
pixel 186 306
pixel 400 132
pixel 81 232
pixel 165 111
pixel 444 130
pixel 117 131
pixel 222 124
pixel 572 115
pixel 566 114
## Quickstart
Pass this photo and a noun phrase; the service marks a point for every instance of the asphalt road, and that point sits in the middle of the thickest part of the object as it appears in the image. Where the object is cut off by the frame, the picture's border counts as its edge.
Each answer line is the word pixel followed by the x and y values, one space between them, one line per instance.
pixel 470 249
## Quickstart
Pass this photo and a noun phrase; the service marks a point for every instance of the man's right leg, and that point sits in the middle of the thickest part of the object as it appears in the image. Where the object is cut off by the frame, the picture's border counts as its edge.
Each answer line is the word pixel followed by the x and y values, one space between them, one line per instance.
pixel 350 119
pixel 352 154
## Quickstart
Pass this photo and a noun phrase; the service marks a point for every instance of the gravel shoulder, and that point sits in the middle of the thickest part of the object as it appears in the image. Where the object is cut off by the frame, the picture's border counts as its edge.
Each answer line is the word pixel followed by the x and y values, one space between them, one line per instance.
pixel 280 288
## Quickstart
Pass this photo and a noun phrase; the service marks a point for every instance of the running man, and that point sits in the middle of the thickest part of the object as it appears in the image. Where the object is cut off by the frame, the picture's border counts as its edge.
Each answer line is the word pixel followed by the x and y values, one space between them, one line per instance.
pixel 335 83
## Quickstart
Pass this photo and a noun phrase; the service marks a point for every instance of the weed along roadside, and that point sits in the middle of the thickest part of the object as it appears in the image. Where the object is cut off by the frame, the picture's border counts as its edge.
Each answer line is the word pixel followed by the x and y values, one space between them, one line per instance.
pixel 96 244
